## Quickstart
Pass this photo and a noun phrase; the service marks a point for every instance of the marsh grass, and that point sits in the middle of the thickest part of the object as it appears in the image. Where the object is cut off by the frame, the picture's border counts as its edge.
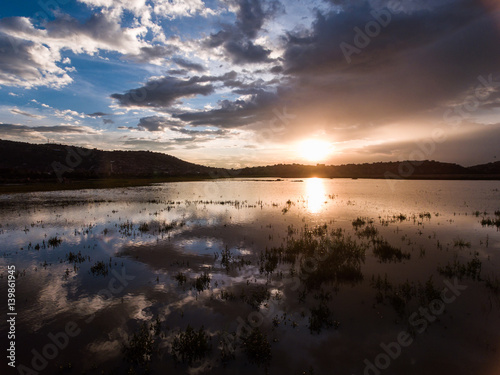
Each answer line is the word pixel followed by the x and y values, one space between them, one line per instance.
pixel 385 252
pixel 257 347
pixel 202 282
pixel 54 241
pixel 471 269
pixel 404 297
pixel 99 269
pixel 460 243
pixel 191 345
pixel 76 257
pixel 491 222
pixel 180 278
pixel 320 318
pixel 139 348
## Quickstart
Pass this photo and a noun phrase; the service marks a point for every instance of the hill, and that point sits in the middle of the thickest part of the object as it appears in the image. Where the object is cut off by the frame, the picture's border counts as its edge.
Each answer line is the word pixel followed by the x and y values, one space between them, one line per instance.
pixel 19 160
pixel 25 162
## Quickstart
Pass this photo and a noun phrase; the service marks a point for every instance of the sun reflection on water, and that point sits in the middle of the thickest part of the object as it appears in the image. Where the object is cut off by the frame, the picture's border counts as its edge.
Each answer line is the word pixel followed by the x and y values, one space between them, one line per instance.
pixel 315 195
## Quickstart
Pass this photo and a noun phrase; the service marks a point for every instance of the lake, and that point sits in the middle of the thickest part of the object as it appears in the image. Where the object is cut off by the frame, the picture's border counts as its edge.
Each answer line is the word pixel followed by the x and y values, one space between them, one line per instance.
pixel 312 276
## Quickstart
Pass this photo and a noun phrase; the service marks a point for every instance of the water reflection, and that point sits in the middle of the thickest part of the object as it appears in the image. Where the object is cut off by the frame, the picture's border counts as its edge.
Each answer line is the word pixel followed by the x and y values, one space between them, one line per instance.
pixel 297 269
pixel 315 195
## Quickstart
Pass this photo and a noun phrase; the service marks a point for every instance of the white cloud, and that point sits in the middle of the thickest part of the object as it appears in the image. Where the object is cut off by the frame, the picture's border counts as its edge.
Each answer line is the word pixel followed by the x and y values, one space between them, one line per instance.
pixel 27 64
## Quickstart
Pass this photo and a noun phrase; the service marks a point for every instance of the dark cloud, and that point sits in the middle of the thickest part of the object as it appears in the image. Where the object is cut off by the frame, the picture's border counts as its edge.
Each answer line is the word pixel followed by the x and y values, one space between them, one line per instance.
pixel 245 51
pixel 419 61
pixel 107 121
pixel 159 124
pixel 193 132
pixel 188 65
pixel 151 53
pixel 320 50
pixel 238 39
pixel 14 129
pixel 166 91
pixel 276 69
pixel 159 144
pixel 97 114
pixel 163 92
pixel 470 147
pixel 233 114
pixel 155 123
pixel 177 72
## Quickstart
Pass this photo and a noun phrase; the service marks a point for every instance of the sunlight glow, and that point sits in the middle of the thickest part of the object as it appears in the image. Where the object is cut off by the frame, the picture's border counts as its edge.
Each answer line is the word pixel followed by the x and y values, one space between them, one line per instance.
pixel 314 149
pixel 315 194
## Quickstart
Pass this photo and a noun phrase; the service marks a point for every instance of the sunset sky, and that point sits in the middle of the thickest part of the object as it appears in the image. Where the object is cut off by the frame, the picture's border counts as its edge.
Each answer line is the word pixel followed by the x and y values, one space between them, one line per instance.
pixel 252 82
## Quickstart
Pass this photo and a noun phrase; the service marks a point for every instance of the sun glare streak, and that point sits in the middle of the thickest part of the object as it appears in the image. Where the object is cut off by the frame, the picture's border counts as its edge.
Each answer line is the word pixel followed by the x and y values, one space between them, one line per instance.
pixel 315 195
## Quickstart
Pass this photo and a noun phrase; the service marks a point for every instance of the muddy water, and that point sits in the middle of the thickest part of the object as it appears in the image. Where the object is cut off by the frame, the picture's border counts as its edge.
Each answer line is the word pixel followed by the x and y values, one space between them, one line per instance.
pixel 327 272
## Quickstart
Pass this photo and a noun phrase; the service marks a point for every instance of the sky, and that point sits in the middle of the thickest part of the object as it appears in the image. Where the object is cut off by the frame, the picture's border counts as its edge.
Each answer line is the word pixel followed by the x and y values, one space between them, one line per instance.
pixel 234 83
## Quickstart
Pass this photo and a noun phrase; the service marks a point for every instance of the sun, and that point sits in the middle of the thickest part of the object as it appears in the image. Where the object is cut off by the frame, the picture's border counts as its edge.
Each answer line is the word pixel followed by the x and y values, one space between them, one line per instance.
pixel 314 149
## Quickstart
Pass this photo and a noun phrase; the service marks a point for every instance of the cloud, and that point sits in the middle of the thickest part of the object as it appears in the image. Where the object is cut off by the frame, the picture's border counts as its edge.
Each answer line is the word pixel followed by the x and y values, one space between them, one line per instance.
pixel 181 8
pixel 162 92
pixel 97 114
pixel 246 52
pixel 166 91
pixel 421 60
pixel 238 40
pixel 27 64
pixel 152 54
pixel 472 145
pixel 155 123
pixel 30 55
pixel 188 64
pixel 98 32
pixel 14 129
pixel 178 72
pixel 27 114
pixel 232 114
pixel 160 124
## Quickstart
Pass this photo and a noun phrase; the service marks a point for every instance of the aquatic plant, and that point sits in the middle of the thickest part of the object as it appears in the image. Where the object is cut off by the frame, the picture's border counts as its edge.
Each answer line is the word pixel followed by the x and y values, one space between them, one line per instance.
pixel 359 222
pixel 191 345
pixel 99 268
pixel 257 347
pixel 180 278
pixel 76 257
pixel 461 243
pixel 321 317
pixel 385 252
pixel 139 349
pixel 471 269
pixel 369 231
pixel 425 215
pixel 493 284
pixel 490 222
pixel 202 282
pixel 54 241
pixel 256 295
pixel 144 227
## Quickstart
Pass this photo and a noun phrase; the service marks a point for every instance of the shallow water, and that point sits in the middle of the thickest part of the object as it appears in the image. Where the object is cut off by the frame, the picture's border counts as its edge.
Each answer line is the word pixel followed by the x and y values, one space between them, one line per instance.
pixel 105 261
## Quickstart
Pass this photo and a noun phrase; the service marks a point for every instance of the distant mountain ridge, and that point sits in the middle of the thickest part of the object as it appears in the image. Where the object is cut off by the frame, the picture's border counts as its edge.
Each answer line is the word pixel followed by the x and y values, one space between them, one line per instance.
pixel 46 161
pixel 20 161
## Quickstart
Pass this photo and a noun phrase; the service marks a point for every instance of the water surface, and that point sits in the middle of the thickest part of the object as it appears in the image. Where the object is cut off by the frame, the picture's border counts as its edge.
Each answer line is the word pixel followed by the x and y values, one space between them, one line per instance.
pixel 319 273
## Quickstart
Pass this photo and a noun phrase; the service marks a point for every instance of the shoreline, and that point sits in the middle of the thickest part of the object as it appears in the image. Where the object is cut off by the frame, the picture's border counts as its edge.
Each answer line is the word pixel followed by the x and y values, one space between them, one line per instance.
pixel 112 183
